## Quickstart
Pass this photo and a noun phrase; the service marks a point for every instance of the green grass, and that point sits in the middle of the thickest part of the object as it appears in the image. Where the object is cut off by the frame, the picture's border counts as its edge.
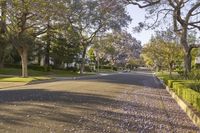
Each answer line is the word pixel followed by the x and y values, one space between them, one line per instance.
pixel 59 73
pixel 106 70
pixel 20 79
pixel 165 76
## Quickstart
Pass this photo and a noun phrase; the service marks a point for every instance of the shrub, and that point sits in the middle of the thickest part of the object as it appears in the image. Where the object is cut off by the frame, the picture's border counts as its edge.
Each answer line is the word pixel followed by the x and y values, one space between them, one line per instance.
pixel 194 74
pixel 188 90
pixel 31 66
pixel 87 69
pixel 180 72
pixel 37 67
pixel 195 86
pixel 188 94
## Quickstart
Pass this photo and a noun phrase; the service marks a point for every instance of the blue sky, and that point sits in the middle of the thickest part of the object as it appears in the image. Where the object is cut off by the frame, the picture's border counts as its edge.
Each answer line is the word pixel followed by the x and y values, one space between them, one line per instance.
pixel 138 15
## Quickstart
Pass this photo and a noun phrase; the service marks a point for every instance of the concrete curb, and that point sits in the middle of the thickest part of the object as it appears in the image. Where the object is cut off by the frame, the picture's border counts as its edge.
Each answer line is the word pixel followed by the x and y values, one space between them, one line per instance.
pixel 192 113
pixel 84 77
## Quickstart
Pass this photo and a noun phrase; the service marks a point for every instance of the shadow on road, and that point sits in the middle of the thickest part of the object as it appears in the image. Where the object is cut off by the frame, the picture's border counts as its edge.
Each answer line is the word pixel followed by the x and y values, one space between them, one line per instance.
pixel 74 112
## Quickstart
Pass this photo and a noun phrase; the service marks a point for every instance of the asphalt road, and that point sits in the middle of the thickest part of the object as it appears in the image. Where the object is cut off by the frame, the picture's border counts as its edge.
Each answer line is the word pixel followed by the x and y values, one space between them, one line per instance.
pixel 116 103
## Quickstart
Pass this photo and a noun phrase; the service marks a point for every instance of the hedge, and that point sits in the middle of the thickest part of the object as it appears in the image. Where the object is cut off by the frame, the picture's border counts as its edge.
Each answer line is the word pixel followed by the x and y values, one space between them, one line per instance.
pixel 189 95
pixel 188 90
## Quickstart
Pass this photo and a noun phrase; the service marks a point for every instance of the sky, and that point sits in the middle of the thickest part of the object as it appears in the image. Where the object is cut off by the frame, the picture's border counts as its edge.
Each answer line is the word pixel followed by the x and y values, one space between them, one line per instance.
pixel 138 15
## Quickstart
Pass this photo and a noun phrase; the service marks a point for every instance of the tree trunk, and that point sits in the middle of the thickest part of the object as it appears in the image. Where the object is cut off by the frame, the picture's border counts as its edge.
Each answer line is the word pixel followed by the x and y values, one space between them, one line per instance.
pixel 187 55
pixel 24 61
pixel 98 63
pixel 46 60
pixel 170 69
pixel 47 48
pixel 2 62
pixel 2 32
pixel 83 61
pixel 187 63
pixel 2 58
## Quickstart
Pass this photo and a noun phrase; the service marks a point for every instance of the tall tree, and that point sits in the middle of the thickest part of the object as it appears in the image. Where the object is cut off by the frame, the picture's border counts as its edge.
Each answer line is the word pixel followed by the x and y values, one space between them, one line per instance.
pixel 161 54
pixel 185 17
pixel 119 47
pixel 23 19
pixel 88 18
pixel 27 20
pixel 3 30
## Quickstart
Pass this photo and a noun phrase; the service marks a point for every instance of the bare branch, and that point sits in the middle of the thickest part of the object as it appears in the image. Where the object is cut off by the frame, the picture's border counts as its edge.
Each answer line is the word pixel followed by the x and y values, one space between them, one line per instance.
pixel 189 14
pixel 146 3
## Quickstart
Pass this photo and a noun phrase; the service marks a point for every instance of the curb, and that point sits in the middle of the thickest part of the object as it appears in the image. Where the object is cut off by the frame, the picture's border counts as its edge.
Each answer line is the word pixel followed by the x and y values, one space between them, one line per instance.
pixel 187 108
pixel 192 114
pixel 54 79
pixel 84 77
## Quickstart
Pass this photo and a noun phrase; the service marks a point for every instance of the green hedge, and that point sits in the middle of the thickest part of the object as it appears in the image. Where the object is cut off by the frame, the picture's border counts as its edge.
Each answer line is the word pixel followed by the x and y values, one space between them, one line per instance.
pixel 188 94
pixel 108 67
pixel 188 90
pixel 171 82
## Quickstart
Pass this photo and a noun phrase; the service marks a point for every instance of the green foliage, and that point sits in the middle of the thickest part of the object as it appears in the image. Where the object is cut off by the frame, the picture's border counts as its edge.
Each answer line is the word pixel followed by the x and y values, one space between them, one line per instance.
pixel 108 67
pixel 165 76
pixel 188 90
pixel 162 54
pixel 64 49
pixel 20 79
pixel 180 72
pixel 194 74
pixel 87 68
pixel 91 55
pixel 119 48
pixel 188 94
pixel 31 66
pixel 53 72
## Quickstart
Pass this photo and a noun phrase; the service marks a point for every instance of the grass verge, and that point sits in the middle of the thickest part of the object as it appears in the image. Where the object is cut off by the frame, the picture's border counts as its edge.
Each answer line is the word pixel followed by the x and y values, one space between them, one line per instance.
pixel 20 79
pixel 35 73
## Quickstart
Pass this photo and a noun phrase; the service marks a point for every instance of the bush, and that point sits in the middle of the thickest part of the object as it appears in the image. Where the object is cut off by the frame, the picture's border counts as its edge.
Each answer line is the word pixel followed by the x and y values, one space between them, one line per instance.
pixel 167 79
pixel 195 86
pixel 115 68
pixel 12 65
pixel 187 94
pixel 180 72
pixel 37 67
pixel 188 90
pixel 194 74
pixel 170 83
pixel 87 69
pixel 73 69
pixel 32 66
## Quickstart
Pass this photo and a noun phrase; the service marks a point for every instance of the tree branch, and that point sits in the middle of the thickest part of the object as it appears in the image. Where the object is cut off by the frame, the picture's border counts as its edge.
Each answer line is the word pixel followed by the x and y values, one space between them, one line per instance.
pixel 146 3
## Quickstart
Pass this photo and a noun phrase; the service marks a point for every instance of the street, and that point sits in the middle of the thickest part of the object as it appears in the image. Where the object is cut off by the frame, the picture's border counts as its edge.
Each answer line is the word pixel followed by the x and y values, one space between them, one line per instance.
pixel 113 103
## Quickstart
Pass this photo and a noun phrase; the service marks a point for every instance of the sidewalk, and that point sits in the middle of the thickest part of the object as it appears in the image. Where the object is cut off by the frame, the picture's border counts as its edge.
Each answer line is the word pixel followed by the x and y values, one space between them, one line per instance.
pixel 11 84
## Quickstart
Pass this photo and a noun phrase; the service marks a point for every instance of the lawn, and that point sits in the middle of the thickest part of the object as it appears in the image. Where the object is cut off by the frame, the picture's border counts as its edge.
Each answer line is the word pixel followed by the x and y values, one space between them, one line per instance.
pixel 53 72
pixel 13 75
pixel 20 79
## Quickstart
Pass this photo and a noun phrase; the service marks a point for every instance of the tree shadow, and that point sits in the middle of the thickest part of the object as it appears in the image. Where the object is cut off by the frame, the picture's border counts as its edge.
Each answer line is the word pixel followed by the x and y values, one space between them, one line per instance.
pixel 76 112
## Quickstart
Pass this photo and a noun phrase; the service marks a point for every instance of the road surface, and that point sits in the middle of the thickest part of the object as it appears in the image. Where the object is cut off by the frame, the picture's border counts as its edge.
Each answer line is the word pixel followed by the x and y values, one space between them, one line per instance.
pixel 117 103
